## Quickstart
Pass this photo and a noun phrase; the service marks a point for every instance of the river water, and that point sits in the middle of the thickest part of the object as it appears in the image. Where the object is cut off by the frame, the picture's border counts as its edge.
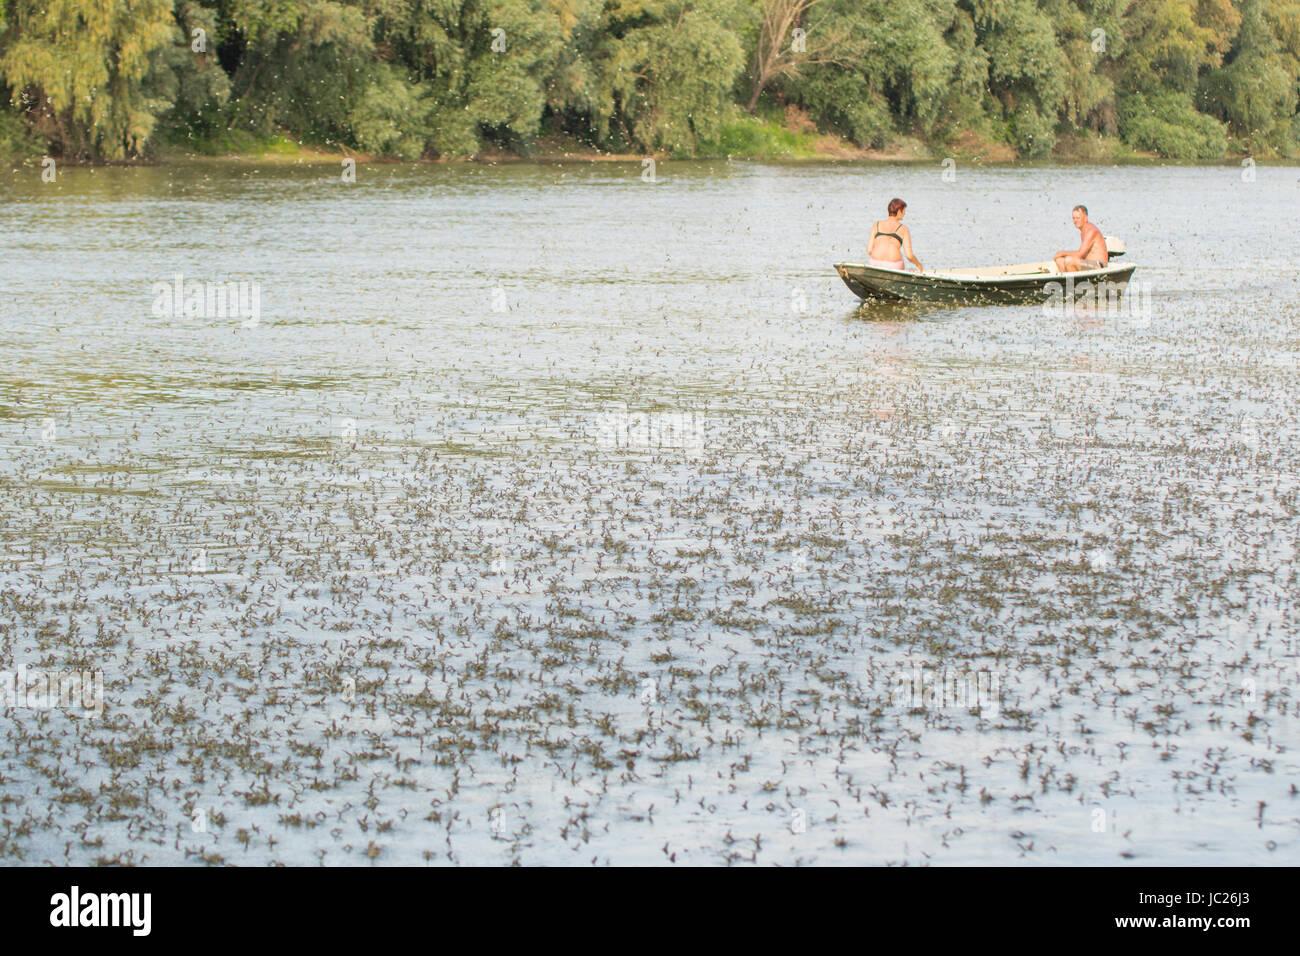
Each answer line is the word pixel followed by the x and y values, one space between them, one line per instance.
pixel 546 513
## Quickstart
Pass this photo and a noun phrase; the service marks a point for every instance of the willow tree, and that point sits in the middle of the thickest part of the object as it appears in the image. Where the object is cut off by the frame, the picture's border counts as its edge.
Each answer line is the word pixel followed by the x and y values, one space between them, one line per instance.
pixel 76 69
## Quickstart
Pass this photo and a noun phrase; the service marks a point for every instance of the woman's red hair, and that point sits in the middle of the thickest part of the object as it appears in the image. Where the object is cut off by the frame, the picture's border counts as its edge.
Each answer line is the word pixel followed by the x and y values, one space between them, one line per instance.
pixel 895 206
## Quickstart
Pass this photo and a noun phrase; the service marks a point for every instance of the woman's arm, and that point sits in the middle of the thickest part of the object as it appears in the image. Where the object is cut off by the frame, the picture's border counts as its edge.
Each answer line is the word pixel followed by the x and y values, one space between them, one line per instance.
pixel 907 248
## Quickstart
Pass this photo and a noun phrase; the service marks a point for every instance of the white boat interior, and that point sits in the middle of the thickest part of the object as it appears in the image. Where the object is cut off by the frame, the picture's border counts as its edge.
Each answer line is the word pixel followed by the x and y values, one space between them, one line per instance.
pixel 1115 247
pixel 1000 272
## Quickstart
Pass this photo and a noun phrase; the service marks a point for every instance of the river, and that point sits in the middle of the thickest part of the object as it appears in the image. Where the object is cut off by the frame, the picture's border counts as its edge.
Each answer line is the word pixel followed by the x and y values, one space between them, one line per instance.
pixel 550 514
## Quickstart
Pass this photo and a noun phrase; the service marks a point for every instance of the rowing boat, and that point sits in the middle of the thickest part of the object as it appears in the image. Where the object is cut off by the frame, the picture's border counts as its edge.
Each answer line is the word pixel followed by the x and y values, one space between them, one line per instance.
pixel 1027 282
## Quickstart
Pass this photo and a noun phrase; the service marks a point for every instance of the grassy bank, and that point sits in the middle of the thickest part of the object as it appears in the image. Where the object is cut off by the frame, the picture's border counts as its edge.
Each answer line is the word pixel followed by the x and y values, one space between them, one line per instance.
pixel 775 136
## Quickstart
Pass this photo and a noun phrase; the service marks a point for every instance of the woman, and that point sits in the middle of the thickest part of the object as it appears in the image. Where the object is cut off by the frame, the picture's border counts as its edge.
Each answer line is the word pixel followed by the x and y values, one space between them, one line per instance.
pixel 890 240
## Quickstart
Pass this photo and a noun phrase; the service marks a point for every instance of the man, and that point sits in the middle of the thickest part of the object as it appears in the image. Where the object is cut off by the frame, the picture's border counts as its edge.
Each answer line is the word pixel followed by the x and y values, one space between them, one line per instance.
pixel 1091 253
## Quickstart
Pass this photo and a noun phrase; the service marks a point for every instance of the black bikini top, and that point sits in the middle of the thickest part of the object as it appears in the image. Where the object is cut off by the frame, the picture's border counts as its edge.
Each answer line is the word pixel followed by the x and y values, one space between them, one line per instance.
pixel 892 235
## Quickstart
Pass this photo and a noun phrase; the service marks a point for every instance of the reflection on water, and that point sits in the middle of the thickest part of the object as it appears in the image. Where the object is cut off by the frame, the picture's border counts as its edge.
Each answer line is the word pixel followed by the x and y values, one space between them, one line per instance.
pixel 893 312
pixel 539 496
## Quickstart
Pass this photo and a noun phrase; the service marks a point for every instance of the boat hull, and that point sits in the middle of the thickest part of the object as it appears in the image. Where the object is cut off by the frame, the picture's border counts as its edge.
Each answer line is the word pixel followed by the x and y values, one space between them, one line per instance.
pixel 1005 286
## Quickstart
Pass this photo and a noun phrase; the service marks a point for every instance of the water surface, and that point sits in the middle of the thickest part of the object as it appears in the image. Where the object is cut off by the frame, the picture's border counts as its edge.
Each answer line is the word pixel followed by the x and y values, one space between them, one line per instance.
pixel 547 514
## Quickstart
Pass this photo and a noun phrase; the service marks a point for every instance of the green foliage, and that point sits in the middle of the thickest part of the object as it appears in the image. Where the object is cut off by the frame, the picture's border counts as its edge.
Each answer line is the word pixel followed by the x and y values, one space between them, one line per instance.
pixel 101 79
pixel 889 64
pixel 1168 124
pixel 391 117
pixel 749 137
pixel 309 67
pixel 185 76
pixel 1254 93
pixel 226 142
pixel 1092 41
pixel 1025 62
pixel 15 142
pixel 481 70
pixel 1173 40
pixel 664 71
pixel 1033 131
pixel 77 66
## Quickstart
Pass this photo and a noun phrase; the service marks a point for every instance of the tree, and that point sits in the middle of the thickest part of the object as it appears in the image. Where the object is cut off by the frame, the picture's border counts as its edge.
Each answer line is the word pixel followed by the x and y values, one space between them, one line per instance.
pixel 303 67
pixel 1171 41
pixel 1028 71
pixel 664 70
pixel 1253 92
pixel 483 69
pixel 1170 45
pixel 902 63
pixel 185 75
pixel 778 54
pixel 76 70
pixel 101 79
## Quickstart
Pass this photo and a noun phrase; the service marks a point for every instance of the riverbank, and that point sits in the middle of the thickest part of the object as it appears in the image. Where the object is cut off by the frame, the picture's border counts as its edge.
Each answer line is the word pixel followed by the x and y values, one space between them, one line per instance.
pixel 789 138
